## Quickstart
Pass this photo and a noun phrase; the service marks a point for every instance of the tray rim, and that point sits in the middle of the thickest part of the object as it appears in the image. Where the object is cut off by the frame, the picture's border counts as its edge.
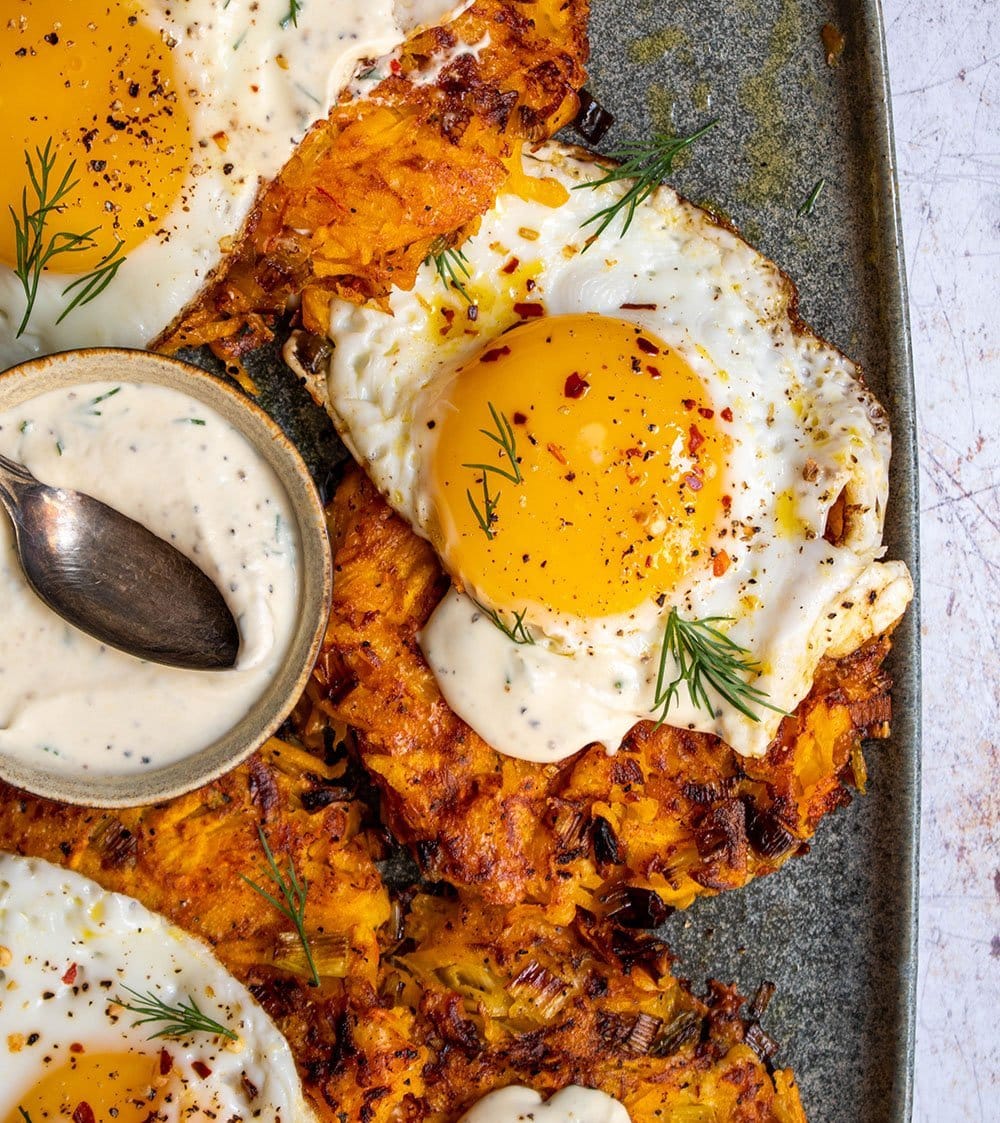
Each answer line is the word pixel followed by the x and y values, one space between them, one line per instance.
pixel 905 451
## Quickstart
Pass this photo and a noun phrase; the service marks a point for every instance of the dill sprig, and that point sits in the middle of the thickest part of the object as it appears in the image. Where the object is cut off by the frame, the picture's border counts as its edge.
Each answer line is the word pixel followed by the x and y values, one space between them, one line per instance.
pixel 92 284
pixel 516 632
pixel 294 893
pixel 707 657
pixel 24 1115
pixel 647 163
pixel 504 438
pixel 181 1019
pixel 36 248
pixel 292 18
pixel 809 205
pixel 449 263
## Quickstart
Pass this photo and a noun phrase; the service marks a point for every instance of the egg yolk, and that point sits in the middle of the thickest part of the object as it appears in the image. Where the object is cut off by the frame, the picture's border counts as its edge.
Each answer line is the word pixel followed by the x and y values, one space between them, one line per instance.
pixel 577 463
pixel 98 1088
pixel 88 97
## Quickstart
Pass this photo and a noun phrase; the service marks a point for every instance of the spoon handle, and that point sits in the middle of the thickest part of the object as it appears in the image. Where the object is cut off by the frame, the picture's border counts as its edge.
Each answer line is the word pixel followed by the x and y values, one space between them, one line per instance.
pixel 13 474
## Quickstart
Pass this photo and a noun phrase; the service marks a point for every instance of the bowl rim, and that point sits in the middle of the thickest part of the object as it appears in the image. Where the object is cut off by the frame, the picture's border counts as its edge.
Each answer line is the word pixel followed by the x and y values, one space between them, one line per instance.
pixel 39 375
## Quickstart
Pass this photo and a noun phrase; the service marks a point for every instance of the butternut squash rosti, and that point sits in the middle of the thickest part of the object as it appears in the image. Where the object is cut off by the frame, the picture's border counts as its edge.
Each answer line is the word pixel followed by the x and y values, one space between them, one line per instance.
pixel 420 1009
pixel 403 172
pixel 672 816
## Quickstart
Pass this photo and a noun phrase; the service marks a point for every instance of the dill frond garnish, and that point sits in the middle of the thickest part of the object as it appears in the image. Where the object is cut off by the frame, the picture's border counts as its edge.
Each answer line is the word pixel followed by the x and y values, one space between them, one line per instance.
pixel 809 205
pixel 92 284
pixel 36 248
pixel 180 1019
pixel 707 657
pixel 449 263
pixel 516 632
pixel 293 906
pixel 292 18
pixel 647 163
pixel 24 1115
pixel 507 442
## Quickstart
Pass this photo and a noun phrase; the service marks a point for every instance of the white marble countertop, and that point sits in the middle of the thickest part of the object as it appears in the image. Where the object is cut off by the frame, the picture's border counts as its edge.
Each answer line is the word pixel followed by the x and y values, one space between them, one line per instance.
pixel 944 60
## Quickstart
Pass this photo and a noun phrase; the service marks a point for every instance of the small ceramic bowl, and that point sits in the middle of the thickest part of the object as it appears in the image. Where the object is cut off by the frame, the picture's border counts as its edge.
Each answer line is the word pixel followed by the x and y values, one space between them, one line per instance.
pixel 38 376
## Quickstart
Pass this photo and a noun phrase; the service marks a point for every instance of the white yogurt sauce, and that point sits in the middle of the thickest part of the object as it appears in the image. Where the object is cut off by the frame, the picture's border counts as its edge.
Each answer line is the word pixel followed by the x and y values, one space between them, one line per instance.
pixel 180 469
pixel 574 1104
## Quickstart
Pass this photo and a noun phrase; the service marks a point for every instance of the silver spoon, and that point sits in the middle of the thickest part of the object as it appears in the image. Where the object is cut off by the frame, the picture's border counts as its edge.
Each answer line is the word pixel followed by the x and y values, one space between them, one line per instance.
pixel 111 577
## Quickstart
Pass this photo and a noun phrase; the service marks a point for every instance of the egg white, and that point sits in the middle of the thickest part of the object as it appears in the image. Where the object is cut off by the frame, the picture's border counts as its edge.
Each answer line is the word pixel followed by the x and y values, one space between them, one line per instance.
pixel 808 429
pixel 252 82
pixel 52 920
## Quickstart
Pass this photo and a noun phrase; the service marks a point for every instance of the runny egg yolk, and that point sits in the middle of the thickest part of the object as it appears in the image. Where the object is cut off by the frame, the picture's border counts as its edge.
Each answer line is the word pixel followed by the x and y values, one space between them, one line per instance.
pixel 89 85
pixel 103 1087
pixel 619 474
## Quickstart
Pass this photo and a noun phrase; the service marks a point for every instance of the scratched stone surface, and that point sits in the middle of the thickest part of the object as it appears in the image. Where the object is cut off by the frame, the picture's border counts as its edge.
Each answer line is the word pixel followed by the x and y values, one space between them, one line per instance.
pixel 945 70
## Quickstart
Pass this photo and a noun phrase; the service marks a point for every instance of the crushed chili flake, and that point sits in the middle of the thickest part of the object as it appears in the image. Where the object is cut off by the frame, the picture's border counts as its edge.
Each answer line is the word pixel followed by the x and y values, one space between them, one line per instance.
pixel 688 403
pixel 646 346
pixel 166 1062
pixel 654 372
pixel 83 1113
pixel 557 452
pixel 727 502
pixel 726 414
pixel 448 313
pixel 707 413
pixel 511 265
pixel 638 307
pixel 520 418
pixel 70 977
pixel 694 481
pixel 529 284
pixel 720 563
pixel 76 1047
pixel 575 386
pixel 526 310
pixel 495 353
pixel 395 66
pixel 201 1069
pixel 695 440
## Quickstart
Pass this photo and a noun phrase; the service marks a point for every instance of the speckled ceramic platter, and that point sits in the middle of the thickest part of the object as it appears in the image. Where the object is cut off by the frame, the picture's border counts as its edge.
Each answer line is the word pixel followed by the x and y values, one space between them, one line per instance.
pixel 835 930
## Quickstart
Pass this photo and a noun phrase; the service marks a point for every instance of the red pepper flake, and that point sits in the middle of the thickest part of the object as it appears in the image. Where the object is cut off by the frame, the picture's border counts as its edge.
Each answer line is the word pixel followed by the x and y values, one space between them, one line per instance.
pixel 688 403
pixel 511 265
pixel 557 452
pixel 649 561
pixel 201 1069
pixel 707 413
pixel 694 481
pixel 70 977
pixel 529 284
pixel 720 563
pixel 727 502
pixel 520 418
pixel 249 1087
pixel 726 414
pixel 395 66
pixel 76 1047
pixel 575 386
pixel 646 346
pixel 84 1113
pixel 638 307
pixel 166 1062
pixel 448 313
pixel 695 440
pixel 526 310
pixel 654 372
pixel 495 353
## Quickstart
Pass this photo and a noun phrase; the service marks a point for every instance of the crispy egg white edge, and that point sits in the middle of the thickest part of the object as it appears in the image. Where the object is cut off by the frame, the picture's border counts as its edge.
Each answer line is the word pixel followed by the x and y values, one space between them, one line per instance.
pixel 51 918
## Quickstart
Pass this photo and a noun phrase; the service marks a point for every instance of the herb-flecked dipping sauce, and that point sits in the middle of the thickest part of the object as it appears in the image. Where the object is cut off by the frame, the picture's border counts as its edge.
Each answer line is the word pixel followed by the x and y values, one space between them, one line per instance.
pixel 180 469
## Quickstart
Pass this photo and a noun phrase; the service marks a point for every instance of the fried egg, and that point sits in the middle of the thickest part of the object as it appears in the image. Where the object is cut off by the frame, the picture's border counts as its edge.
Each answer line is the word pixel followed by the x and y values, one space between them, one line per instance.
pixel 137 133
pixel 71 957
pixel 623 449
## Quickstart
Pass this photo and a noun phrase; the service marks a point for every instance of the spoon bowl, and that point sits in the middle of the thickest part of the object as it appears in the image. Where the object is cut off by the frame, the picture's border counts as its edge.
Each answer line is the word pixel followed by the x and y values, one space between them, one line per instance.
pixel 111 577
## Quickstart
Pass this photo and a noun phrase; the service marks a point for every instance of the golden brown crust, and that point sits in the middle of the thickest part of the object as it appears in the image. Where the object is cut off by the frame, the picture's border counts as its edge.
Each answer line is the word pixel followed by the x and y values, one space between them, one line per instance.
pixel 372 189
pixel 674 812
